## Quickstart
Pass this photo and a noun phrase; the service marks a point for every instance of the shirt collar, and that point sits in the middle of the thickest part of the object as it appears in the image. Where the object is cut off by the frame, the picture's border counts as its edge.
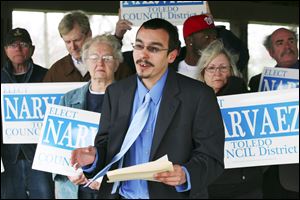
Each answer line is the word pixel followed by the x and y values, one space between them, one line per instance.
pixel 155 92
pixel 294 66
pixel 75 61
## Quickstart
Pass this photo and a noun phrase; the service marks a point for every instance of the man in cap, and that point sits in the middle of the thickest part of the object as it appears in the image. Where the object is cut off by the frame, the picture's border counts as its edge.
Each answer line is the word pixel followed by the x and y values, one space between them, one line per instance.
pixel 19 67
pixel 198 32
pixel 19 181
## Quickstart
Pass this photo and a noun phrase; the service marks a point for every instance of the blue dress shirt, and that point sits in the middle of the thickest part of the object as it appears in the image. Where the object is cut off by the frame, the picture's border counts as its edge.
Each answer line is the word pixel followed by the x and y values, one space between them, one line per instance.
pixel 139 152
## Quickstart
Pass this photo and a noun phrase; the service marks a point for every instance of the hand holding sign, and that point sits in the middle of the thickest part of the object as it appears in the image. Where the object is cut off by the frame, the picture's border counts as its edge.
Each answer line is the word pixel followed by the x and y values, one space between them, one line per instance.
pixel 122 27
pixel 83 156
pixel 79 179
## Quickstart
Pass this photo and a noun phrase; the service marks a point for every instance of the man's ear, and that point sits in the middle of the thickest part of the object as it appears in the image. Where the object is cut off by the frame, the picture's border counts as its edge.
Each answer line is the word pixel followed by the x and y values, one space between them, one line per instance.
pixel 172 55
pixel 32 50
pixel 271 52
pixel 117 66
pixel 188 41
pixel 89 34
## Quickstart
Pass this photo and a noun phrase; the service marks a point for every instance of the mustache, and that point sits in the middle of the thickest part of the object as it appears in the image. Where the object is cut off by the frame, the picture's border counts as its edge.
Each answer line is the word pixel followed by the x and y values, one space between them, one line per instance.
pixel 288 51
pixel 144 61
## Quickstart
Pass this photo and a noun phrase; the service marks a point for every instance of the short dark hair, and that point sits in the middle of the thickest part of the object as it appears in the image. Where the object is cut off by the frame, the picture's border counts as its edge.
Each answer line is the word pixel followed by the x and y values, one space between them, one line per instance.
pixel 157 23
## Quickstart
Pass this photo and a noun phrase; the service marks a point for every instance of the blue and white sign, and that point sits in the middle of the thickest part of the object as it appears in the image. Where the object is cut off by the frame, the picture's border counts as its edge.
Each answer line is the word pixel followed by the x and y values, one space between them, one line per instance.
pixel 64 129
pixel 261 128
pixel 278 79
pixel 175 12
pixel 23 107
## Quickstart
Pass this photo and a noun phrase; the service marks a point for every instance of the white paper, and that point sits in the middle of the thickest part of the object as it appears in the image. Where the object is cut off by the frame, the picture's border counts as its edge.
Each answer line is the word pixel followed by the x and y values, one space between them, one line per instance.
pixel 143 171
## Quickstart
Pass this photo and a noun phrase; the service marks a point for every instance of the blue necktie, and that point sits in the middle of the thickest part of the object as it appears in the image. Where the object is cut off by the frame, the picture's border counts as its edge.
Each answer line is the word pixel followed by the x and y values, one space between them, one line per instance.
pixel 136 126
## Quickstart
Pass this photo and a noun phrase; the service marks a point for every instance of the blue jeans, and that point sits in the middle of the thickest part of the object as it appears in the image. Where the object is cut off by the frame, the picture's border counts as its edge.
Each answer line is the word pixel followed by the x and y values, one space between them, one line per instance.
pixel 19 181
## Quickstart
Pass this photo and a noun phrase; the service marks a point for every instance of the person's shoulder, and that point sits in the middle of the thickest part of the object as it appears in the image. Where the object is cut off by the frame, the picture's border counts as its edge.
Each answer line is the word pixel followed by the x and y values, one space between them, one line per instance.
pixel 38 73
pixel 66 60
pixel 192 87
pixel 254 83
pixel 4 75
pixel 235 85
pixel 255 78
pixel 123 83
pixel 80 90
pixel 189 82
pixel 76 93
pixel 40 68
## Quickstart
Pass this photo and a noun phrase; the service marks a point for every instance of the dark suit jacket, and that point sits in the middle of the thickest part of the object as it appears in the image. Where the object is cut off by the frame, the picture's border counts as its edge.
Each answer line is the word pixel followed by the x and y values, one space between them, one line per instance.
pixel 189 129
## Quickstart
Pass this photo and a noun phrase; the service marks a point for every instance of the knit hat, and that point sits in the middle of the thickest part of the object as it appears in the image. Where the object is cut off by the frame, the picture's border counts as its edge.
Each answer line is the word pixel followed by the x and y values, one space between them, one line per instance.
pixel 197 23
pixel 17 34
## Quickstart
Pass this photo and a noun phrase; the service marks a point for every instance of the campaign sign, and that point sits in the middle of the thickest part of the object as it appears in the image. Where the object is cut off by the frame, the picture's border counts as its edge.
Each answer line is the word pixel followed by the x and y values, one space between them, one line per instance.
pixel 2 167
pixel 64 129
pixel 23 107
pixel 278 79
pixel 175 12
pixel 261 128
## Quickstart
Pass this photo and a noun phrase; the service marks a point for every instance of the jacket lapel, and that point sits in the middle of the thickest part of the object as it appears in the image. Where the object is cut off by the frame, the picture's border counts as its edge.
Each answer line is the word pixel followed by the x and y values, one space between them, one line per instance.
pixel 168 106
pixel 125 104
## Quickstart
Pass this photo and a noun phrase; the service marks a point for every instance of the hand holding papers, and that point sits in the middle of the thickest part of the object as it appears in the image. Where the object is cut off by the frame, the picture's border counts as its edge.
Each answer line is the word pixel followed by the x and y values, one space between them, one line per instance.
pixel 144 171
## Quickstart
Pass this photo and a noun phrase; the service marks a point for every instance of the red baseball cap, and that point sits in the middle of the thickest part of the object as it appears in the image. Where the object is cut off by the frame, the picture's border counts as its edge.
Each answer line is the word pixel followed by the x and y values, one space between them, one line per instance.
pixel 197 23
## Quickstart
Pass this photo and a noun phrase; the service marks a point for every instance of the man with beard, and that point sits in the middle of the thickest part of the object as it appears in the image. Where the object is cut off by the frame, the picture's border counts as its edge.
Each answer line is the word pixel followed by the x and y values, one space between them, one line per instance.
pixel 154 113
pixel 280 181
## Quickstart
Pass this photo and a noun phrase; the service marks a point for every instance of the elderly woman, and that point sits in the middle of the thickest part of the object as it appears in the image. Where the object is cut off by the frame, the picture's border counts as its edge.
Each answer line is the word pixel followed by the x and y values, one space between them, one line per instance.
pixel 102 56
pixel 218 70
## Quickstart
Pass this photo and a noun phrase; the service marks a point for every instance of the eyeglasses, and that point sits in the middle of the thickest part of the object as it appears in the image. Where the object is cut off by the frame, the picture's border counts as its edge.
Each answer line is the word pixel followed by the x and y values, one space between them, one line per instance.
pixel 19 44
pixel 94 58
pixel 222 69
pixel 151 49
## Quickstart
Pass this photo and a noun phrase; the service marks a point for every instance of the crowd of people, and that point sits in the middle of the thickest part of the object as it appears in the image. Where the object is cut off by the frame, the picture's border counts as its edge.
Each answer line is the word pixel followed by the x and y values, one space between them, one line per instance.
pixel 158 99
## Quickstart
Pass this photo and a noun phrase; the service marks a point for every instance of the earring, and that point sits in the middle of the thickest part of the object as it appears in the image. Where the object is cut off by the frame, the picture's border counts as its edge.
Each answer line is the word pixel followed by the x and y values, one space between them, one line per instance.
pixel 191 44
